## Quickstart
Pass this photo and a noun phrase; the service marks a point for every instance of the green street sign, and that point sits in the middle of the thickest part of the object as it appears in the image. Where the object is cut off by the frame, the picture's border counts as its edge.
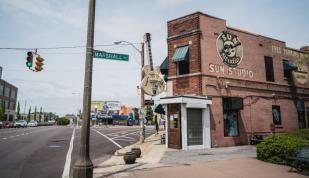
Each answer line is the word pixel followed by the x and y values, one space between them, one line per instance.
pixel 111 56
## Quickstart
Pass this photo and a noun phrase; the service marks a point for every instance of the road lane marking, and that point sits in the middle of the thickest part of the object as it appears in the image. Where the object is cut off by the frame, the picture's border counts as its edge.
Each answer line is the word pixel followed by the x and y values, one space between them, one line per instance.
pixel 4 138
pixel 108 139
pixel 67 165
pixel 17 135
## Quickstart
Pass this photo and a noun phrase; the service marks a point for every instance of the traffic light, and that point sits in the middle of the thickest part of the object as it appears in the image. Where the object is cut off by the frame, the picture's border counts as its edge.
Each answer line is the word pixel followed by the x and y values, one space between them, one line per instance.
pixel 38 63
pixel 29 59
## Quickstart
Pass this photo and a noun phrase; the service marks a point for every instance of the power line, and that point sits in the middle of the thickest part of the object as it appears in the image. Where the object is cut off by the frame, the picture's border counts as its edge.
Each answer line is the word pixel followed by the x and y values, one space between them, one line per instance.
pixel 61 47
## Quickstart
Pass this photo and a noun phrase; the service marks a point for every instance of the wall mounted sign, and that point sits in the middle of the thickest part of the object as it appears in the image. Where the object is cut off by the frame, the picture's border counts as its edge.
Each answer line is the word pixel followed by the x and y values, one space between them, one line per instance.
pixel 300 77
pixel 237 72
pixel 229 49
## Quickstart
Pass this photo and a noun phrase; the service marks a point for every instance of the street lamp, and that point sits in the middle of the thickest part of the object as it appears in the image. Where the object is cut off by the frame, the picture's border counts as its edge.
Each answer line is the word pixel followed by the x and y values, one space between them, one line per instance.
pixel 78 108
pixel 142 134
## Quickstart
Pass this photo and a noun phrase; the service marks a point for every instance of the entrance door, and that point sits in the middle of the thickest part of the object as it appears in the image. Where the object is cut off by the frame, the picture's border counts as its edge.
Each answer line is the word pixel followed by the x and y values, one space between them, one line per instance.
pixel 174 127
pixel 195 127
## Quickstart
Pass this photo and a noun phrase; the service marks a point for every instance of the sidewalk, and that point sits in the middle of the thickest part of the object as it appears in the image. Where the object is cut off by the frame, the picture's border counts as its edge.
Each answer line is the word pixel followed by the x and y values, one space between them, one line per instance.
pixel 157 161
pixel 152 152
pixel 234 168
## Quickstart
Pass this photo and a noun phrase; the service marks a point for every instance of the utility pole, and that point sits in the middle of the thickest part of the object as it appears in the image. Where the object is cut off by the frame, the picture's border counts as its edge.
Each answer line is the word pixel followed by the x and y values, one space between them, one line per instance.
pixel 83 167
pixel 142 134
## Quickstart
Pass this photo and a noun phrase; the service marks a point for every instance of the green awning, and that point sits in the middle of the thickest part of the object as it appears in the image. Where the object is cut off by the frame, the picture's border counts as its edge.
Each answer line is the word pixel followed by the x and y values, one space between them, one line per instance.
pixel 181 54
pixel 164 66
pixel 288 66
pixel 159 109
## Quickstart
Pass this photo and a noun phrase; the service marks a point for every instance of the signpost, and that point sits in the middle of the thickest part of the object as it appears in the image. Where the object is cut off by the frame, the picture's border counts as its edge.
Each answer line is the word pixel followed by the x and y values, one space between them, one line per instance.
pixel 111 56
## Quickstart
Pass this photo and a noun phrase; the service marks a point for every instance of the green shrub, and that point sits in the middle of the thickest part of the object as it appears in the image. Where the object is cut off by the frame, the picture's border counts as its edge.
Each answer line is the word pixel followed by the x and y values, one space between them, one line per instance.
pixel 274 149
pixel 63 121
pixel 303 133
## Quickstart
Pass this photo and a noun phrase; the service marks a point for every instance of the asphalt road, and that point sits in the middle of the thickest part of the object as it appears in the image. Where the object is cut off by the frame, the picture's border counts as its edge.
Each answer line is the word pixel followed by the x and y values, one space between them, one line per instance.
pixel 43 152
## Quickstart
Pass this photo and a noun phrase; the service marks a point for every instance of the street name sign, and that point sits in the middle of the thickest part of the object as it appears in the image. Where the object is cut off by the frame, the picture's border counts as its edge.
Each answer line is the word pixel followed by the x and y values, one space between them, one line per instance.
pixel 111 56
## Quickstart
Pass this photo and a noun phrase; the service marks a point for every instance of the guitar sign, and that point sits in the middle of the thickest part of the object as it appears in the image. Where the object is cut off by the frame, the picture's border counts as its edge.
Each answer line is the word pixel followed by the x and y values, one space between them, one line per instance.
pixel 152 84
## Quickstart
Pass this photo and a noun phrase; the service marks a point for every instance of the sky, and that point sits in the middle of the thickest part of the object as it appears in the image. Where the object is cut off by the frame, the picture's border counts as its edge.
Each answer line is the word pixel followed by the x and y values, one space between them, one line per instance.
pixel 50 23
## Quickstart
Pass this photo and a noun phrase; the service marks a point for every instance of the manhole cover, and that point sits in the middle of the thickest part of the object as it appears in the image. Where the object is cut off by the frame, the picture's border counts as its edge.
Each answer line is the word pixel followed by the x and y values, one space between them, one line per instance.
pixel 54 146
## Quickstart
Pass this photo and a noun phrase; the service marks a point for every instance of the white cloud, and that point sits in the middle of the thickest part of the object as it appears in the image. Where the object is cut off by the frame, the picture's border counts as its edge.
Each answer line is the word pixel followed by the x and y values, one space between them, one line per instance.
pixel 172 3
pixel 67 12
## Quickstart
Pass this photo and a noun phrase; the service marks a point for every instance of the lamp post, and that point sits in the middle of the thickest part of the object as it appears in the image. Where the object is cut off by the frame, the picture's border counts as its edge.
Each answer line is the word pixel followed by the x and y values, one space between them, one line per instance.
pixel 78 108
pixel 83 167
pixel 142 134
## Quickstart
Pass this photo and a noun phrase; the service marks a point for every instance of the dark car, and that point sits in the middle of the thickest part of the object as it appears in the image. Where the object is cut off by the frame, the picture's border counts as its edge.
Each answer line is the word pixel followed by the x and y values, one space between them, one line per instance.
pixel 8 125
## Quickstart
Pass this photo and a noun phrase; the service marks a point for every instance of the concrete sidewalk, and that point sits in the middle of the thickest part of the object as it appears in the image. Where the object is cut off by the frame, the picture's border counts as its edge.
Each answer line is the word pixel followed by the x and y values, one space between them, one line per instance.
pixel 233 168
pixel 152 152
pixel 157 161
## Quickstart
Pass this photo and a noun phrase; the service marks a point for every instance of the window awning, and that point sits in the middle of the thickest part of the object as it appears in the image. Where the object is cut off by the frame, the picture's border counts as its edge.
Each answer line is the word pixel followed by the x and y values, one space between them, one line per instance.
pixel 164 66
pixel 288 66
pixel 159 109
pixel 181 54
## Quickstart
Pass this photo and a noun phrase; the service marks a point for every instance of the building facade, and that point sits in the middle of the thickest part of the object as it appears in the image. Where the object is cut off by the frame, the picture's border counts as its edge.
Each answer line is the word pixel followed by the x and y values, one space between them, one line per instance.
pixel 8 97
pixel 252 83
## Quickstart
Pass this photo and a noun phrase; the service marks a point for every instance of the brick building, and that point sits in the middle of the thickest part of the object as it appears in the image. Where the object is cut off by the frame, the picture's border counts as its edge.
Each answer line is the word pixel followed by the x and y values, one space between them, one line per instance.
pixel 226 84
pixel 8 97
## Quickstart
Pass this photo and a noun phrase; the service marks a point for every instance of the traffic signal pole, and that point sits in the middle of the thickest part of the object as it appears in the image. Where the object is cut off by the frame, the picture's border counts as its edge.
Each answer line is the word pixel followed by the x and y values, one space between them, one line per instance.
pixel 83 167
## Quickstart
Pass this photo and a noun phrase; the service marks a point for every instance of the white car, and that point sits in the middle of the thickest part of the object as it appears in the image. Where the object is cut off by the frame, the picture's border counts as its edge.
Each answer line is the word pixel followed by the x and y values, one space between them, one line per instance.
pixel 32 124
pixel 20 123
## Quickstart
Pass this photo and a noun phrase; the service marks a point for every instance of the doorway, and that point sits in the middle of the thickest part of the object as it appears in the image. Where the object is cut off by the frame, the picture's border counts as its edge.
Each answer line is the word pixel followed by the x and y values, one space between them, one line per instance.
pixel 174 126
pixel 195 127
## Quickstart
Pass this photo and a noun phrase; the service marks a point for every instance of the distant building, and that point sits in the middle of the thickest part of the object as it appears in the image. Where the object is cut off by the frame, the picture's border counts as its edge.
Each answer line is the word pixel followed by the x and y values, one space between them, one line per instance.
pixel 8 96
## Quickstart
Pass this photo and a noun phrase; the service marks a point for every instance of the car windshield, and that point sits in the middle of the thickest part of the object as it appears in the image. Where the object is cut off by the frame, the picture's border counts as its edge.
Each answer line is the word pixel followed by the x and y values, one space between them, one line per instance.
pixel 20 121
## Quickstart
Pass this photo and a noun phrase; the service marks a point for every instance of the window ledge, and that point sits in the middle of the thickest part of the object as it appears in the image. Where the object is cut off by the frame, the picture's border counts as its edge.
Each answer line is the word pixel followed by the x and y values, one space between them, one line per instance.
pixel 185 75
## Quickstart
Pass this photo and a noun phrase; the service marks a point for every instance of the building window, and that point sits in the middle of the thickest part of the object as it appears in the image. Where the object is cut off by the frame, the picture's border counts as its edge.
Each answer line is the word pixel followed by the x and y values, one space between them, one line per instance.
pixel 276 115
pixel 181 59
pixel 269 69
pixel 6 105
pixel 7 92
pixel 12 105
pixel 287 68
pixel 300 107
pixel 231 107
pixel 13 94
pixel 1 89
pixel 183 67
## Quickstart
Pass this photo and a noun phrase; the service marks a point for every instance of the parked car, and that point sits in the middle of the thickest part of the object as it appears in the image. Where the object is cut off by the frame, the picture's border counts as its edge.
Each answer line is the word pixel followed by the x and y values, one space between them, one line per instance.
pixel 1 125
pixel 20 123
pixel 9 125
pixel 32 124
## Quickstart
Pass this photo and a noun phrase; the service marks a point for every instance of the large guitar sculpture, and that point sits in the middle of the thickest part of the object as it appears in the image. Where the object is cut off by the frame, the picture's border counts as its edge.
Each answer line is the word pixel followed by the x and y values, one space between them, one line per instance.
pixel 152 84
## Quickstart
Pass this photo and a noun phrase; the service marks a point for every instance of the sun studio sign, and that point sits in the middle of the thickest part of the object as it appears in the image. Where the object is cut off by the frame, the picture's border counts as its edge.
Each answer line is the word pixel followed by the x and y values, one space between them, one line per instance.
pixel 229 49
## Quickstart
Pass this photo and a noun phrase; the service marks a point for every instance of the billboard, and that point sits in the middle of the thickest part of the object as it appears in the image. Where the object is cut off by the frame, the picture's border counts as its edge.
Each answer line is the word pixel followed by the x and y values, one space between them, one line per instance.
pixel 112 106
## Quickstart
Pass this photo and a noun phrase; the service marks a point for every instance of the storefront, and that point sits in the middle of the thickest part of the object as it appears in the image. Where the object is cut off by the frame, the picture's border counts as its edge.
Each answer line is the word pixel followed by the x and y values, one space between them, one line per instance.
pixel 225 85
pixel 188 122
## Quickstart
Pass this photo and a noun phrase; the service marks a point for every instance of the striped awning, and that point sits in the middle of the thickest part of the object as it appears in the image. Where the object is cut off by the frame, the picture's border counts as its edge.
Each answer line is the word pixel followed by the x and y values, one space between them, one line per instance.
pixel 181 54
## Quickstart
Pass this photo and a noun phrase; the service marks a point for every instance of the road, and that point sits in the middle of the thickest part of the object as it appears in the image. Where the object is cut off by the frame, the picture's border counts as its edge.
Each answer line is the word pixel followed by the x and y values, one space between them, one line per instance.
pixel 45 151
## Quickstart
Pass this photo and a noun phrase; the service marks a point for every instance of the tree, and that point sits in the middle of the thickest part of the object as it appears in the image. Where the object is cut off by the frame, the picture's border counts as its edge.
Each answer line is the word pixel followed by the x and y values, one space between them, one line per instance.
pixel 29 115
pixel 149 113
pixel 62 121
pixel 2 111
pixel 40 115
pixel 35 113
pixel 50 115
pixel 18 111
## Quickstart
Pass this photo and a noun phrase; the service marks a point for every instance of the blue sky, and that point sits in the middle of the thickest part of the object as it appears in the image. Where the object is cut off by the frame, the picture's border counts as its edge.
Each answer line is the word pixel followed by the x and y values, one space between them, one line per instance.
pixel 47 23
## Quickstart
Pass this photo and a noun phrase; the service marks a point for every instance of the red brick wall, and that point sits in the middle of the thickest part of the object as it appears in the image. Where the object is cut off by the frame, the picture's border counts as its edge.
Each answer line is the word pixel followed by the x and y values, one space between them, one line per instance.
pixel 201 32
